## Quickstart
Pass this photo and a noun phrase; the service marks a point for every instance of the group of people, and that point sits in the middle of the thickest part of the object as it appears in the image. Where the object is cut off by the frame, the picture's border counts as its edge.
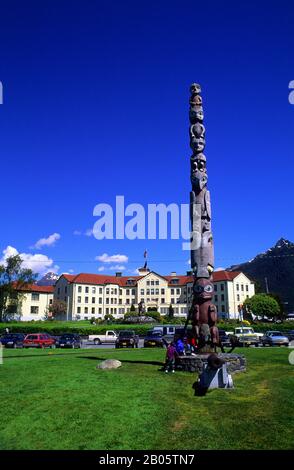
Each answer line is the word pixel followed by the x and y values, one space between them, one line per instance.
pixel 180 347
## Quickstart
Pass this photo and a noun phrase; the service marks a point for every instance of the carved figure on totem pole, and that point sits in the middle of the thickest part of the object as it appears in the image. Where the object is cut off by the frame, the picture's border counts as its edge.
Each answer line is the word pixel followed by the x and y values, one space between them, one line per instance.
pixel 203 312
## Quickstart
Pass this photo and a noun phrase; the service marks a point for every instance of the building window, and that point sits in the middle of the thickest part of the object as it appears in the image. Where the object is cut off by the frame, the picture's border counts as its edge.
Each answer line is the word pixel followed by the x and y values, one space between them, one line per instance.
pixel 100 310
pixel 107 300
pixel 178 291
pixel 79 310
pixel 247 296
pixel 87 290
pixel 34 310
pixel 162 291
pixel 172 301
pixel 100 300
pixel 120 301
pixel 237 287
pixel 93 300
pixel 215 298
pixel 86 300
pixel 238 298
pixel 247 288
pixel 128 292
pixel 152 291
pixel 35 297
pixel 93 290
pixel 107 311
pixel 222 297
pixel 93 309
pixel 79 299
pixel 223 309
pixel 127 301
pixel 148 283
pixel 148 292
pixel 163 301
pixel 133 291
pixel 172 291
pixel 222 287
pixel 242 287
pixel 100 290
pixel 86 310
pixel 79 289
pixel 50 301
pixel 152 283
pixel 157 283
pixel 120 291
pixel 215 287
pixel 107 291
pixel 156 291
pixel 142 291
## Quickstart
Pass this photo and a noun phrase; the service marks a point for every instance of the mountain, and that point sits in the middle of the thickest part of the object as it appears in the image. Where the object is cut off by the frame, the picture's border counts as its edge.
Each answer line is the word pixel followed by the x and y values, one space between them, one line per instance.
pixel 48 280
pixel 275 268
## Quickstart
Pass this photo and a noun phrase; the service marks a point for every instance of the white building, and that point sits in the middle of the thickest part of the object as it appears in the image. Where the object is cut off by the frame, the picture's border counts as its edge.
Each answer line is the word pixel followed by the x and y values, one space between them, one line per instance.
pixel 34 302
pixel 96 295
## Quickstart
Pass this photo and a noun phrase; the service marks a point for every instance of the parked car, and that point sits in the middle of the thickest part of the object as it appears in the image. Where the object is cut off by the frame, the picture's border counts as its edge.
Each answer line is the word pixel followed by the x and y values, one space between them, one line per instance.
pixel 224 338
pixel 69 340
pixel 128 339
pixel 275 338
pixel 108 337
pixel 290 335
pixel 290 317
pixel 168 331
pixel 245 336
pixel 12 340
pixel 39 340
pixel 154 339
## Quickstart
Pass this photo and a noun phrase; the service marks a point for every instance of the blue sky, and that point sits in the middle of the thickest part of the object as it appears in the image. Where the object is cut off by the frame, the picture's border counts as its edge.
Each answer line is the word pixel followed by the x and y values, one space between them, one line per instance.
pixel 96 105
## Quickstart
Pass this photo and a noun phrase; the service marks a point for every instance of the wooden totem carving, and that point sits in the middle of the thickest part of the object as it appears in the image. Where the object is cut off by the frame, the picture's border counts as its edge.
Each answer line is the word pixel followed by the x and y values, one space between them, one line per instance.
pixel 203 312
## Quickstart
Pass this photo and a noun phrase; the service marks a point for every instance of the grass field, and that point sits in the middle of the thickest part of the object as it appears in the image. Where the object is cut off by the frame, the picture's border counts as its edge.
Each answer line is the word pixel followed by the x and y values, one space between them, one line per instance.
pixel 58 400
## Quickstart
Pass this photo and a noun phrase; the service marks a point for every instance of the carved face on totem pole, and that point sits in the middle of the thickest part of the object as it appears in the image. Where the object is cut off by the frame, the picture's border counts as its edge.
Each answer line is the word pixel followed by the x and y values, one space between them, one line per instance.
pixel 195 88
pixel 203 289
pixel 196 114
pixel 198 172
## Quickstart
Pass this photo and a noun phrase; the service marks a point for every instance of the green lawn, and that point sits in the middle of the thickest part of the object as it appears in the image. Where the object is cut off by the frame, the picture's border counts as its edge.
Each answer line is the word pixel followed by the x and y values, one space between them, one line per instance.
pixel 58 400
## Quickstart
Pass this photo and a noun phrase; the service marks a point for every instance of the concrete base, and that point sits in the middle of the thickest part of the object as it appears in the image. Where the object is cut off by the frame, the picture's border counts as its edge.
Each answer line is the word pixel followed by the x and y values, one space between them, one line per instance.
pixel 234 362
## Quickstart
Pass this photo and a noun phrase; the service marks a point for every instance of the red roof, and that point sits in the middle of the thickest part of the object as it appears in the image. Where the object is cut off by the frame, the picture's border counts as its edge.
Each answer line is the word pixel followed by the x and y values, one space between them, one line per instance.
pixel 36 288
pixel 122 281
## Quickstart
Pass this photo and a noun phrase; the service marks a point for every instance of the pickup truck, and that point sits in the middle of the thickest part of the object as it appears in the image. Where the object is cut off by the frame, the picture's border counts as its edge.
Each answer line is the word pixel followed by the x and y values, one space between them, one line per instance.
pixel 108 337
pixel 246 336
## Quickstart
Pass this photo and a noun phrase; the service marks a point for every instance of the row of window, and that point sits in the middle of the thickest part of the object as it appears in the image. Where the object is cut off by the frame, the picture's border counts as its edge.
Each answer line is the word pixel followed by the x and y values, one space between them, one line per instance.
pixel 242 287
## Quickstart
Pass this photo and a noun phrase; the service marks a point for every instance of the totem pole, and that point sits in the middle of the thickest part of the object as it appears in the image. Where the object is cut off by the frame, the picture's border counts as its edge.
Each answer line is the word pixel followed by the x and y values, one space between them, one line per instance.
pixel 203 312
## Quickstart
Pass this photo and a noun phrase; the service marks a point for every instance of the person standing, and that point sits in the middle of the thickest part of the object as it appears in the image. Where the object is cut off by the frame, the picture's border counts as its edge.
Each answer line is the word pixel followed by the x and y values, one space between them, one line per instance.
pixel 170 359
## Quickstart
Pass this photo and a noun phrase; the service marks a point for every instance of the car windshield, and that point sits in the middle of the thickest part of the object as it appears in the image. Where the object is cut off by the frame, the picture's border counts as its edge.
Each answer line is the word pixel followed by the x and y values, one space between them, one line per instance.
pixel 126 333
pixel 67 337
pixel 155 334
pixel 276 333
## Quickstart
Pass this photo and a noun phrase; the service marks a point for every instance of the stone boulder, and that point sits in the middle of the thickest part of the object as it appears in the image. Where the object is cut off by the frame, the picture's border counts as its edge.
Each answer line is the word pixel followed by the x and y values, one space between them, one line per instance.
pixel 109 364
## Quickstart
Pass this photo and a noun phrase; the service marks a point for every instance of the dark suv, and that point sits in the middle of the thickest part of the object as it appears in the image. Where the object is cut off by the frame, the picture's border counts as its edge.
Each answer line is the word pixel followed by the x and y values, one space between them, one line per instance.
pixel 69 340
pixel 127 339
pixel 12 340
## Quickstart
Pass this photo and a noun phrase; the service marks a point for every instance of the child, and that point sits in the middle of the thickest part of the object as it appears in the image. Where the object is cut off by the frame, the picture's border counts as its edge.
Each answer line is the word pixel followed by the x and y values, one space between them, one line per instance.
pixel 171 354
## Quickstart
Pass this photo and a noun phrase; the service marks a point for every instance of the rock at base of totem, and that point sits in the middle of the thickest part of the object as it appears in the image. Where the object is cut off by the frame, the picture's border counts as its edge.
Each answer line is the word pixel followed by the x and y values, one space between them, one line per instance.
pixel 235 362
pixel 109 364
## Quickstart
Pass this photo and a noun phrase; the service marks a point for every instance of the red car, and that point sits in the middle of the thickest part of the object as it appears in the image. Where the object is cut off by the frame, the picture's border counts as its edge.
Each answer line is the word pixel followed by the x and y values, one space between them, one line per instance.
pixel 38 340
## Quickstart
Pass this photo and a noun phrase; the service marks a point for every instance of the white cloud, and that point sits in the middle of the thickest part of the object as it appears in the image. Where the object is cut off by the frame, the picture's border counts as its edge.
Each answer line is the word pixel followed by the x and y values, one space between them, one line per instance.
pixel 189 262
pixel 101 268
pixel 105 258
pixel 37 263
pixel 117 267
pixel 77 232
pixel 49 241
pixel 219 269
pixel 71 271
